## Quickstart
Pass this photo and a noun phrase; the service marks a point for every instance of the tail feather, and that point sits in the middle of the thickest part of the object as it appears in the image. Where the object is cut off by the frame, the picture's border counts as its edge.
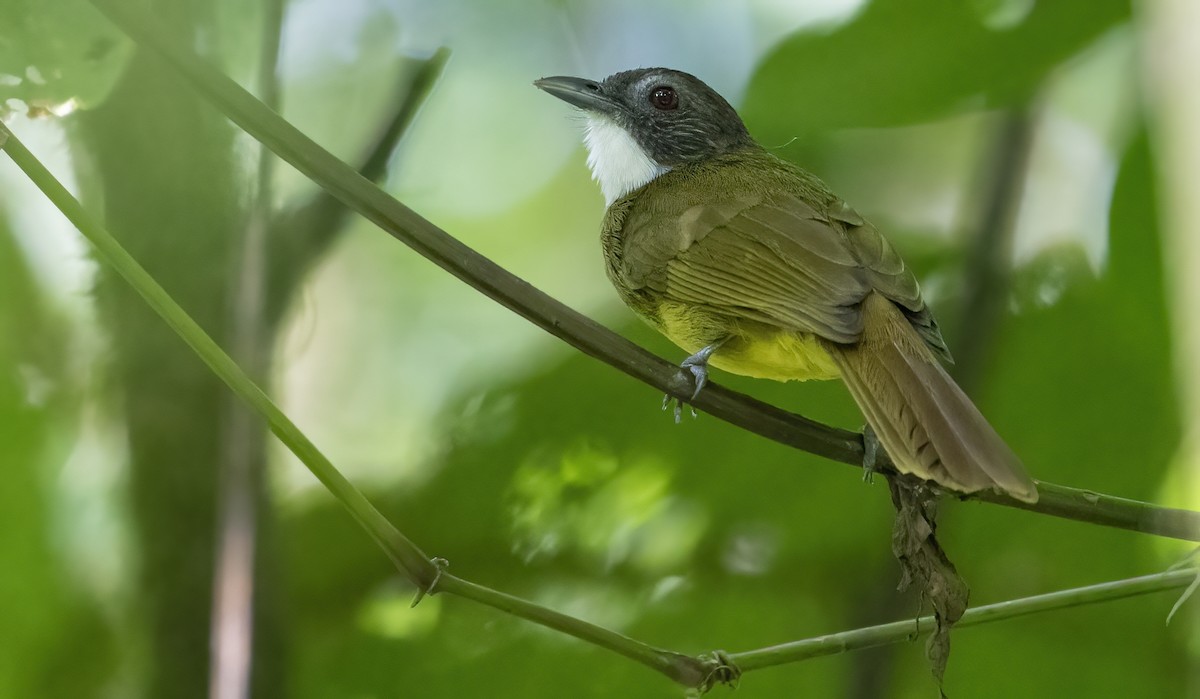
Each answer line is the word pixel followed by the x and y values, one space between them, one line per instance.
pixel 928 426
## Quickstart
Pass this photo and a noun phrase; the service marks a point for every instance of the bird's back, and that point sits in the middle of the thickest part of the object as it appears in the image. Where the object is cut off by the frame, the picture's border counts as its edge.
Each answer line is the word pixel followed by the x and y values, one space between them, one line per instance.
pixel 750 235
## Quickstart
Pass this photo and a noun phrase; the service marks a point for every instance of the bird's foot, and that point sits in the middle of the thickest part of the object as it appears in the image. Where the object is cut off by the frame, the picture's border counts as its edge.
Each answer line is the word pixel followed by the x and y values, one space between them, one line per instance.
pixel 694 372
pixel 870 454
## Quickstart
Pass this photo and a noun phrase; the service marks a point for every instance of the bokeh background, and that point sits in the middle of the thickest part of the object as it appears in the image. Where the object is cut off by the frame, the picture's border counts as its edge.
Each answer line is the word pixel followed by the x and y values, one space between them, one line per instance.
pixel 1018 153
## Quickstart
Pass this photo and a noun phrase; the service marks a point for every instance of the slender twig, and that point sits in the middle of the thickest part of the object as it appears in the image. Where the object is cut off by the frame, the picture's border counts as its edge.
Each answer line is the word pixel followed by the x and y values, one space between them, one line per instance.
pixel 575 329
pixel 907 630
pixel 406 555
pixel 425 74
pixel 419 568
pixel 299 236
pixel 988 264
pixel 430 576
pixel 685 669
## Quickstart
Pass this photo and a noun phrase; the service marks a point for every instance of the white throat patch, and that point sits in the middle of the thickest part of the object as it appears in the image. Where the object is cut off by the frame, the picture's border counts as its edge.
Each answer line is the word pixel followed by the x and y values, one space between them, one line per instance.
pixel 617 162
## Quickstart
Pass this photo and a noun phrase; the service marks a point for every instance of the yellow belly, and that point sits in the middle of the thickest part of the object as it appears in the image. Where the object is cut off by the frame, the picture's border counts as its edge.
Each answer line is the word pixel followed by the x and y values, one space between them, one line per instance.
pixel 753 349
pixel 778 355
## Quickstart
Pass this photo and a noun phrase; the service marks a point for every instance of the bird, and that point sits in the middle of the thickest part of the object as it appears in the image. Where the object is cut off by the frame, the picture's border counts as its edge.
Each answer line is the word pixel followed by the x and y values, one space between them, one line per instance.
pixel 752 265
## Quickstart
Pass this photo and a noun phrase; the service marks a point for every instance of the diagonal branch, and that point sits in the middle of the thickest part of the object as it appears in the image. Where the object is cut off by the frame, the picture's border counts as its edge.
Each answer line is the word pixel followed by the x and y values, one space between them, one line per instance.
pixel 561 321
pixel 298 237
pixel 426 574
pixel 429 574
pixel 410 559
pixel 989 252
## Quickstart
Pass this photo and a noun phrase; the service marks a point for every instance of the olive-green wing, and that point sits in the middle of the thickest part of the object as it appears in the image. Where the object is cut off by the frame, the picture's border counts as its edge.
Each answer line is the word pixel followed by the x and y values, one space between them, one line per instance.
pixel 777 260
pixel 890 276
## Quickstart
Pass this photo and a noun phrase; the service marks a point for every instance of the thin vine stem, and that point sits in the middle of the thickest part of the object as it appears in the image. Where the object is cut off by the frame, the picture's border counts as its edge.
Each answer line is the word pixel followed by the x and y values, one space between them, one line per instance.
pixel 405 553
pixel 897 631
pixel 427 574
pixel 580 332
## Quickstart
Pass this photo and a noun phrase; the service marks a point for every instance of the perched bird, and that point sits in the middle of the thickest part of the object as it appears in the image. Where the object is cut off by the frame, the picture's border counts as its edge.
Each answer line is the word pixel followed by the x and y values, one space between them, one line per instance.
pixel 752 265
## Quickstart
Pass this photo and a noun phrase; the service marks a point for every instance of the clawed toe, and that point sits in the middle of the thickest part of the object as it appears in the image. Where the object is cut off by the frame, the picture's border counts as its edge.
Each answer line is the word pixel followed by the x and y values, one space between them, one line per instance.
pixel 669 399
pixel 870 454
pixel 696 374
pixel 699 376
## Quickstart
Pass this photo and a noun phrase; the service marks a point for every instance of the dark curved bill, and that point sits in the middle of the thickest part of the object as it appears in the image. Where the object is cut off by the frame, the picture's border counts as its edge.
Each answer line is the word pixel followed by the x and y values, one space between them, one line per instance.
pixel 582 93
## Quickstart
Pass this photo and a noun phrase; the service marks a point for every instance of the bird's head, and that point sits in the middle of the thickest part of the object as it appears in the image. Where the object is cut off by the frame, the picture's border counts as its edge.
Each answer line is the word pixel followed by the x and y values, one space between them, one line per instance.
pixel 642 123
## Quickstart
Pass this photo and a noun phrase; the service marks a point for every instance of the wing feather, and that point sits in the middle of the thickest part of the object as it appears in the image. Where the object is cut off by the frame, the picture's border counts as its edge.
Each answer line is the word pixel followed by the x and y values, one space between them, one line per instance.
pixel 780 260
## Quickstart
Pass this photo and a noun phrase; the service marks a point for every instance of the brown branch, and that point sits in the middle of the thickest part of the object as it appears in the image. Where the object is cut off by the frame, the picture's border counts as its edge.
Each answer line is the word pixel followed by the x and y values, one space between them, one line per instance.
pixel 573 328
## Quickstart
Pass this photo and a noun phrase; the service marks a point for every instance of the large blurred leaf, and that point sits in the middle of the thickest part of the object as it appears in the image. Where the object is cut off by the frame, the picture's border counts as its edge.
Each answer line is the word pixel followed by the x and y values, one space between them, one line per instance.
pixel 903 61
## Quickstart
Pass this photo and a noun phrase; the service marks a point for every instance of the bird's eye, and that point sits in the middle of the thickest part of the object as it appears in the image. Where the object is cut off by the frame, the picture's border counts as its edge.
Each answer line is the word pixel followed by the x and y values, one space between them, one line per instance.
pixel 664 98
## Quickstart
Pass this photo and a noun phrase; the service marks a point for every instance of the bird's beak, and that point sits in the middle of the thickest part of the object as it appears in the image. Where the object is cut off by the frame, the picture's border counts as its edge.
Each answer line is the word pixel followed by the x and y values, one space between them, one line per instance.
pixel 585 94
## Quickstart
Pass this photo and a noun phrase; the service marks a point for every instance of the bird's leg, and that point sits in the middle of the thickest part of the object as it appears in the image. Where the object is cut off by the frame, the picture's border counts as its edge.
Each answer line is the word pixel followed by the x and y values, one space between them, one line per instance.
pixel 697 365
pixel 870 453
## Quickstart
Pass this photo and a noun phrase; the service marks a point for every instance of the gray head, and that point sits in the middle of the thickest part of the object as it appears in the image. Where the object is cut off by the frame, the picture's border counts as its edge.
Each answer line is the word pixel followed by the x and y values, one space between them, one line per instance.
pixel 644 122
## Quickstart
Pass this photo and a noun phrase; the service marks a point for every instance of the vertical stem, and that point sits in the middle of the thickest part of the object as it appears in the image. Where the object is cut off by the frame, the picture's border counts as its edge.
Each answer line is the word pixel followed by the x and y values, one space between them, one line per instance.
pixel 241 487
pixel 163 161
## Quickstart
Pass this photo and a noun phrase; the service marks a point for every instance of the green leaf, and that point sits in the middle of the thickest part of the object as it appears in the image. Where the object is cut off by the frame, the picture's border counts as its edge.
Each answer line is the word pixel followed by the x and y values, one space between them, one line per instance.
pixel 906 61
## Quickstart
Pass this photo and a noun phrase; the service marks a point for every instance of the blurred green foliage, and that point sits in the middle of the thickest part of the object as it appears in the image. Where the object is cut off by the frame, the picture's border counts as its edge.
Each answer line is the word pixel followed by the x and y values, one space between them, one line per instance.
pixel 903 61
pixel 53 639
pixel 541 472
pixel 57 55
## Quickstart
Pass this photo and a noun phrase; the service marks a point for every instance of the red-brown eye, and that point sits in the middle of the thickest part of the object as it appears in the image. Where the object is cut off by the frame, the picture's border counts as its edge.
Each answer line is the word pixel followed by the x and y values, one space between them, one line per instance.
pixel 664 98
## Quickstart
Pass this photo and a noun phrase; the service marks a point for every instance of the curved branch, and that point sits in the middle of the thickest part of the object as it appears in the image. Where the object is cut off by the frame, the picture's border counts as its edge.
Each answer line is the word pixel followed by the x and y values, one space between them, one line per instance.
pixel 561 321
